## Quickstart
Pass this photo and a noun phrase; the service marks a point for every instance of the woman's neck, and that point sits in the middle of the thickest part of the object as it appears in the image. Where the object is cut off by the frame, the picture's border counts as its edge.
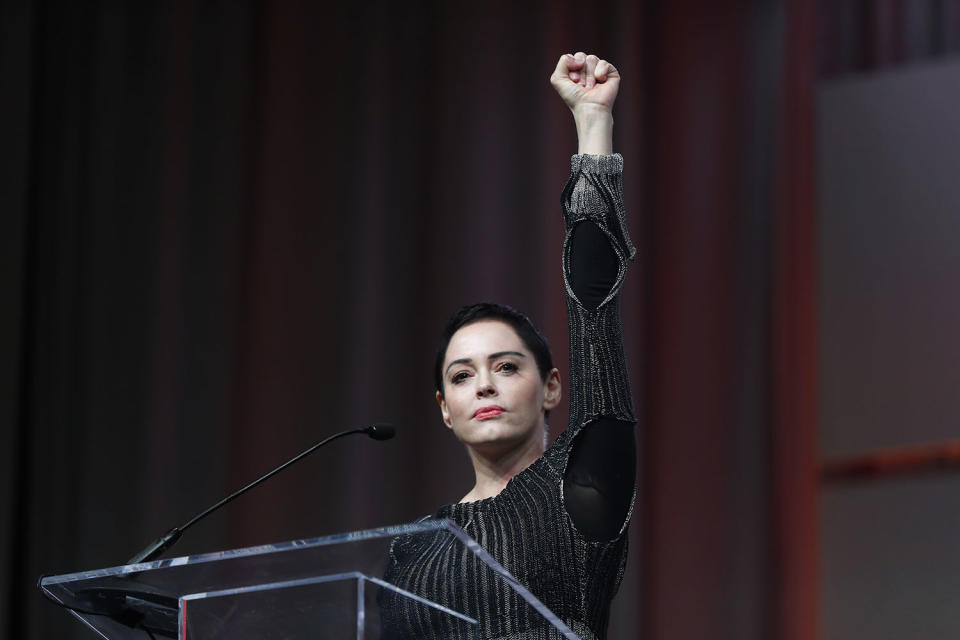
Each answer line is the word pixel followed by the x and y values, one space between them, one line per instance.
pixel 493 472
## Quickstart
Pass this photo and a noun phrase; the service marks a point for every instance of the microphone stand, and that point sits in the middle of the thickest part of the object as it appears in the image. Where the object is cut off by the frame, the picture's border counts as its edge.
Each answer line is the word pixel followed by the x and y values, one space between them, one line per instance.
pixel 142 606
pixel 167 540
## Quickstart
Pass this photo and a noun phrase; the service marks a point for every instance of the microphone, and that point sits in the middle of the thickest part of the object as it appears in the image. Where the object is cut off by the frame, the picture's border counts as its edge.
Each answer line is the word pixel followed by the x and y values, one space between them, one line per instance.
pixel 381 431
pixel 167 540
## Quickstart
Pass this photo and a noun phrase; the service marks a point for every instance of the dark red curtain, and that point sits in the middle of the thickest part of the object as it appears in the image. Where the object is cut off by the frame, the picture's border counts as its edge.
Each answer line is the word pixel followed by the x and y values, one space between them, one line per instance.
pixel 232 228
pixel 731 210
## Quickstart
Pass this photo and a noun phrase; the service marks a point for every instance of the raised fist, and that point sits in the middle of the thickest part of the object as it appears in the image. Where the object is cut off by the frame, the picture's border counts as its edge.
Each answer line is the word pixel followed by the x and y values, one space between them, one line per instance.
pixel 586 81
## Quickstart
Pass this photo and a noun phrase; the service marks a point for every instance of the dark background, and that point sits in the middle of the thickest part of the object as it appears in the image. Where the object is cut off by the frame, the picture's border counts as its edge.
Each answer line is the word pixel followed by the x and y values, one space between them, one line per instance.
pixel 232 228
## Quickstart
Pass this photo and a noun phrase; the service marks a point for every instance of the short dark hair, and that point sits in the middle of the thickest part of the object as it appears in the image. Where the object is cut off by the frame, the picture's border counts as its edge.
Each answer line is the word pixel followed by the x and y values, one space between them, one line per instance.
pixel 532 339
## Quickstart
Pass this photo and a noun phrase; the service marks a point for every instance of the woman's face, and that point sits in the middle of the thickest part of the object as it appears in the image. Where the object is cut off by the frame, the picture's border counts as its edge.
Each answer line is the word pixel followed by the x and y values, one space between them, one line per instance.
pixel 494 397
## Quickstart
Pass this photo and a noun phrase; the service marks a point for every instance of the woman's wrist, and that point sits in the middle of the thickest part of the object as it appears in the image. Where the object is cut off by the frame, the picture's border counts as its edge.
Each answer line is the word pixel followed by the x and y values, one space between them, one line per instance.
pixel 594 129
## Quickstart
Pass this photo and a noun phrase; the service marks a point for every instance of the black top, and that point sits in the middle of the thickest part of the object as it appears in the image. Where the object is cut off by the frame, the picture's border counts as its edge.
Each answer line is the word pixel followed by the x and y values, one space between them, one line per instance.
pixel 559 526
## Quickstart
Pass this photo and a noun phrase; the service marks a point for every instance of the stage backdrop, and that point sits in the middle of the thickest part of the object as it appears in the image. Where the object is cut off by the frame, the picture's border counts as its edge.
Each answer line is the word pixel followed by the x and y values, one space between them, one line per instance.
pixel 232 228
pixel 889 268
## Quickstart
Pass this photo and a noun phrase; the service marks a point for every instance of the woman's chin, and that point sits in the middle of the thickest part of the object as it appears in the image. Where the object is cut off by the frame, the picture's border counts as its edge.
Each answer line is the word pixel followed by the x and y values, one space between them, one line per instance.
pixel 497 439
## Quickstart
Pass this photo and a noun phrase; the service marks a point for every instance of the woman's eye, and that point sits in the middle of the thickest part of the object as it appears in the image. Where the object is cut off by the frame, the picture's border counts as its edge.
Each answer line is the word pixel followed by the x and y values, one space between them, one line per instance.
pixel 459 377
pixel 508 367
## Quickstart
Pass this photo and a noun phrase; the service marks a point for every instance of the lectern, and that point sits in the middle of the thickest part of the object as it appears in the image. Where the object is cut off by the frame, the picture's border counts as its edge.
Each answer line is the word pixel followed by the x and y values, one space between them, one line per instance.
pixel 332 587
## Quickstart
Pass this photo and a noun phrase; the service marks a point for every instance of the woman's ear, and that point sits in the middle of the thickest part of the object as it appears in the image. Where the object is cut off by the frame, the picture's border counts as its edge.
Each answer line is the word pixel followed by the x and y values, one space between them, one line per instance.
pixel 552 391
pixel 443 410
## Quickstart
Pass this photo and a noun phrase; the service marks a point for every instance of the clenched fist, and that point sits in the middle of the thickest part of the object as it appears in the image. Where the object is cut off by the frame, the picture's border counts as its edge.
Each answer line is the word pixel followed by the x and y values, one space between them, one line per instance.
pixel 588 85
pixel 582 80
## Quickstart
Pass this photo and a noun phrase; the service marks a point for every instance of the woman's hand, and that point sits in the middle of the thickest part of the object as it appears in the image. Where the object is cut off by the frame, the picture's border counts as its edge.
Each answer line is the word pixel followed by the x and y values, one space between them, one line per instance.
pixel 586 82
pixel 589 85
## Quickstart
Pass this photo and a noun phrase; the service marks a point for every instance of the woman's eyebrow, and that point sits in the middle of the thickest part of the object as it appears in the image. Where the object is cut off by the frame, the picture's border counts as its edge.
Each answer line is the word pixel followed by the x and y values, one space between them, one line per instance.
pixel 500 354
pixel 458 361
pixel 492 356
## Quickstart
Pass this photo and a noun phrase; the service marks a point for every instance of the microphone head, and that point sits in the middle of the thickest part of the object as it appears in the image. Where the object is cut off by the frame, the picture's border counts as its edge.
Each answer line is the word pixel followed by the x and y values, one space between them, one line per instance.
pixel 381 431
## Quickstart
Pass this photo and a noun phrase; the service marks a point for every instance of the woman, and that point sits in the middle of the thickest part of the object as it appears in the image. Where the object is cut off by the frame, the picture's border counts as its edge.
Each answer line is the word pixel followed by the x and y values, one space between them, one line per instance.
pixel 556 518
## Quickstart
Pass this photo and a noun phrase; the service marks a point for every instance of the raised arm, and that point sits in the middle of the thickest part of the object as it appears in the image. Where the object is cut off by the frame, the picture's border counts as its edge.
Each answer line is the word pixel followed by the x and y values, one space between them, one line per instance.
pixel 599 479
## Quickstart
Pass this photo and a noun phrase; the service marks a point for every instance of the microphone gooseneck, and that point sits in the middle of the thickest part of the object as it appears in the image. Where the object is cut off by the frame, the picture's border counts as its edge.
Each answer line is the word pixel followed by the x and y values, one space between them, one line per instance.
pixel 167 540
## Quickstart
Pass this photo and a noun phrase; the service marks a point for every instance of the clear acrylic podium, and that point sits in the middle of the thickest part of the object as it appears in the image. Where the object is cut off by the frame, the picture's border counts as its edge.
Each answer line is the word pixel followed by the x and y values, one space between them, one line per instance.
pixel 332 587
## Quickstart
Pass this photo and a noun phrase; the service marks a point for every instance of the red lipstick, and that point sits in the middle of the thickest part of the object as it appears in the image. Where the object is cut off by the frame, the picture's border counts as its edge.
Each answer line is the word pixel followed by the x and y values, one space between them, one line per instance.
pixel 485 413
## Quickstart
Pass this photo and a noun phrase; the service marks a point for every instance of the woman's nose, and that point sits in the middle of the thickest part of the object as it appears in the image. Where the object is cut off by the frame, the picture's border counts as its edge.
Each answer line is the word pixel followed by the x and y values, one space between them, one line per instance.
pixel 486 389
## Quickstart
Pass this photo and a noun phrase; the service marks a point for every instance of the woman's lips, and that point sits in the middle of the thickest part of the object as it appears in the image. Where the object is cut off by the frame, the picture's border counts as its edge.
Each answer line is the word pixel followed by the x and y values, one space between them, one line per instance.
pixel 485 413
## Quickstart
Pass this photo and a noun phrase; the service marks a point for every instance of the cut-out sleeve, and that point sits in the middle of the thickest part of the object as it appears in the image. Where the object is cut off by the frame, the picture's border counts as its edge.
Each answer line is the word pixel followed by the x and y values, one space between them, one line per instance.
pixel 599 479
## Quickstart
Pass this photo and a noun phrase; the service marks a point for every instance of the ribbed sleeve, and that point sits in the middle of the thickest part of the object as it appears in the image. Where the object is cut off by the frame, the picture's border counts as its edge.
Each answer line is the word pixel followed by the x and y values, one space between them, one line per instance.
pixel 599 384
